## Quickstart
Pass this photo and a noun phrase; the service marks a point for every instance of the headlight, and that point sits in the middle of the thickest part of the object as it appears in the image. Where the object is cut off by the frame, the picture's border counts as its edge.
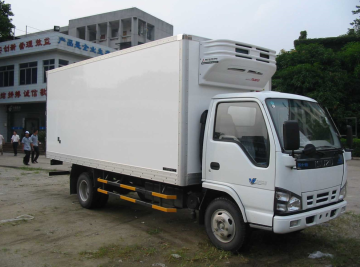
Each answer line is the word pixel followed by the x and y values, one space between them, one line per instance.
pixel 342 194
pixel 294 204
pixel 286 201
pixel 282 196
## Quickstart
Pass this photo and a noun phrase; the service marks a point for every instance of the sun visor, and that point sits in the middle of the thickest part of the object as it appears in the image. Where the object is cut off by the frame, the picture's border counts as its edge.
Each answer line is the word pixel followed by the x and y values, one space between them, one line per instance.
pixel 231 64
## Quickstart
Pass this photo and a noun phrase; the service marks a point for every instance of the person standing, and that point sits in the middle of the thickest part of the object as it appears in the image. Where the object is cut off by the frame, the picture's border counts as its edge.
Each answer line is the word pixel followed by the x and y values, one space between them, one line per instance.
pixel 35 146
pixel 27 147
pixel 15 142
pixel 1 144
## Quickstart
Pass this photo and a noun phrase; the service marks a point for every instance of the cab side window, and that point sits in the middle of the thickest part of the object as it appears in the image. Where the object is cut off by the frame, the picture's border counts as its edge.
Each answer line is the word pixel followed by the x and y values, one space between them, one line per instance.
pixel 243 123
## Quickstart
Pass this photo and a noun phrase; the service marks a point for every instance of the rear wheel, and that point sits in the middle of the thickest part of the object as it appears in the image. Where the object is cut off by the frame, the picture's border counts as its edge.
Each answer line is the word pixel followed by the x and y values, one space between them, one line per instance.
pixel 87 194
pixel 225 226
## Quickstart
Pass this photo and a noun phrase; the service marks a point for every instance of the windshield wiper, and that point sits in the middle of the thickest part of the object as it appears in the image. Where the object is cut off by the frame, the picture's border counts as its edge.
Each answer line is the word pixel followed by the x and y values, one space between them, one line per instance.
pixel 327 147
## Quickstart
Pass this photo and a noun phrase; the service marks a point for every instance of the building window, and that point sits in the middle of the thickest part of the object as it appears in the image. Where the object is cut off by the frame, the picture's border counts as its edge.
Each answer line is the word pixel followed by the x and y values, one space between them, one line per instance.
pixel 150 32
pixel 48 65
pixel 7 76
pixel 114 33
pixel 28 73
pixel 141 28
pixel 63 63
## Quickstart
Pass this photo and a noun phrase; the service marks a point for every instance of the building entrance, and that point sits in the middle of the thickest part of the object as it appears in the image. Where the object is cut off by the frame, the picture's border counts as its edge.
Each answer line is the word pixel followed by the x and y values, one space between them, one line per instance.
pixel 25 117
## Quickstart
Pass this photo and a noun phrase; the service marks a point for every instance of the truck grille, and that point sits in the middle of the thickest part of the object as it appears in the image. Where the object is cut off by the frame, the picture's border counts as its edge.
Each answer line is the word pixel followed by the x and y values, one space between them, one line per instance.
pixel 319 198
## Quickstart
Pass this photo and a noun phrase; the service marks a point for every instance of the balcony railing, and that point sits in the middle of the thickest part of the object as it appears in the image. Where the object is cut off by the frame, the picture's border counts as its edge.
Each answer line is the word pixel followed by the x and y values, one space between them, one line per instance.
pixel 125 39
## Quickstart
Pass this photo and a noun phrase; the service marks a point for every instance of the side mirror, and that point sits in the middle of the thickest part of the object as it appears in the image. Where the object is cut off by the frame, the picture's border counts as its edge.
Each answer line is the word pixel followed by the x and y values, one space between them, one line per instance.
pixel 291 135
pixel 349 136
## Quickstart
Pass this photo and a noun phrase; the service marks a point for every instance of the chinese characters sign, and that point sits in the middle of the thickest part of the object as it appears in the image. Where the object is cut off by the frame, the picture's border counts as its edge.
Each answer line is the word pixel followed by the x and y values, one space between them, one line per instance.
pixel 52 40
pixel 25 45
pixel 84 47
pixel 24 93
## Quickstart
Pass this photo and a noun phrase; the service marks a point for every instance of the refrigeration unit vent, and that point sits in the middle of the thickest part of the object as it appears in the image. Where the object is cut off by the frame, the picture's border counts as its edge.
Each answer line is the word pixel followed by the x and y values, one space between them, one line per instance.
pixel 237 65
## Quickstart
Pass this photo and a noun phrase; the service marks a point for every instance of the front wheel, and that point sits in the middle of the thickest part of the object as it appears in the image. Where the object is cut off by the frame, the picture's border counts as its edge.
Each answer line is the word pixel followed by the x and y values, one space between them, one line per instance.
pixel 225 226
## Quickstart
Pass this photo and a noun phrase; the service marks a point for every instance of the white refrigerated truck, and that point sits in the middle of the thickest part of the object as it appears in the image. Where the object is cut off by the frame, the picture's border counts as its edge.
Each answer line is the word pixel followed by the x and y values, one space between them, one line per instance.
pixel 188 122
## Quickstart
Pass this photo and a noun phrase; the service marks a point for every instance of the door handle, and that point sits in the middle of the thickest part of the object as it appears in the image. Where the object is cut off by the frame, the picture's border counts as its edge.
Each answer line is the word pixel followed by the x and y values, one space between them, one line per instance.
pixel 215 165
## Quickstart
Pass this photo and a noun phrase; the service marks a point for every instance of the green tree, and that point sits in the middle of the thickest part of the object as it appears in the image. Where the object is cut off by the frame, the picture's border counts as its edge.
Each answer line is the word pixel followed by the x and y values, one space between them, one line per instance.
pixel 355 30
pixel 356 22
pixel 5 21
pixel 332 78
pixel 303 35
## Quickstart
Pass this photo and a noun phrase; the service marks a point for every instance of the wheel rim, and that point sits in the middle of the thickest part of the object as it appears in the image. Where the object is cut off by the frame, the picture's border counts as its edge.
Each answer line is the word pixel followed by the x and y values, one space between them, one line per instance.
pixel 84 190
pixel 223 226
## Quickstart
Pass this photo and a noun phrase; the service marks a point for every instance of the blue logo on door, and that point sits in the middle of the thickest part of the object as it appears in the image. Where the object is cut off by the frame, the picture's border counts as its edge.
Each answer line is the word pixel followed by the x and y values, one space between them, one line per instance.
pixel 252 180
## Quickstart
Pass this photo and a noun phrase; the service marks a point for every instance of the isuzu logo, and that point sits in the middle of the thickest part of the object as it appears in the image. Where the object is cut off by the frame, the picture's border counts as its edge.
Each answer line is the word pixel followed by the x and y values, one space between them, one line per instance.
pixel 327 162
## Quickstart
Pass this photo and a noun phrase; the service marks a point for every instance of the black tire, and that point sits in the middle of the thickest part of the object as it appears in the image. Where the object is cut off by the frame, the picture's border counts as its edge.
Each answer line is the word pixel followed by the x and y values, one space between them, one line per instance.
pixel 225 225
pixel 87 194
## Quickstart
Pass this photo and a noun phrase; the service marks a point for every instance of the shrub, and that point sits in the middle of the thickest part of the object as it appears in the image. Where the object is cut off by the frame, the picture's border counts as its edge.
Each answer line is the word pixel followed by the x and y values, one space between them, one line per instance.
pixel 356 146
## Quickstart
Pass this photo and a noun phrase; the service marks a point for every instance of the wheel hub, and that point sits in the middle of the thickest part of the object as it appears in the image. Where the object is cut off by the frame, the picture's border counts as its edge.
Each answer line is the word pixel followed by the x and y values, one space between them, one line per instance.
pixel 223 226
pixel 84 190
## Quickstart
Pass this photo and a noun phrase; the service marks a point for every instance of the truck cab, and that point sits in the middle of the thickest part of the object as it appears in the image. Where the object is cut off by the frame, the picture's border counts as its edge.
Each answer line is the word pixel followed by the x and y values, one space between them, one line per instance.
pixel 276 189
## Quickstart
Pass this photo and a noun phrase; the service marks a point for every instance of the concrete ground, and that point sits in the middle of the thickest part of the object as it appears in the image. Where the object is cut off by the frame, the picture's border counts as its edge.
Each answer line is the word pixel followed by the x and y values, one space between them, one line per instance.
pixel 353 195
pixel 125 234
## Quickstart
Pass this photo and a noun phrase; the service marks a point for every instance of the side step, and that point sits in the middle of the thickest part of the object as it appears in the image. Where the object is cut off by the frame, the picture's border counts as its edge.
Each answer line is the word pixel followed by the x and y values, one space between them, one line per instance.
pixel 133 200
pixel 136 189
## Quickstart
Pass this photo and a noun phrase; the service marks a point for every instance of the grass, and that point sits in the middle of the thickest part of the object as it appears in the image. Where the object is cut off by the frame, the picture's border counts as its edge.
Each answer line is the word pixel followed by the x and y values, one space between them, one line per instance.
pixel 340 237
pixel 31 169
pixel 205 255
pixel 113 251
pixel 36 170
pixel 154 231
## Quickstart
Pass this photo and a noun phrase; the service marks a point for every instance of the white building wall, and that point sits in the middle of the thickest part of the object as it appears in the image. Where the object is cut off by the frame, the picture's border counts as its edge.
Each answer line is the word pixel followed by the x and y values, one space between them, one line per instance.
pixel 59 47
pixel 39 58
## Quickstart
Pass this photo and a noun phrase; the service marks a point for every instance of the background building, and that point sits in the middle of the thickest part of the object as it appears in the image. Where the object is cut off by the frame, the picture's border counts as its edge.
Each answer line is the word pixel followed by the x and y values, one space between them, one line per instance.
pixel 24 61
pixel 118 29
pixel 23 66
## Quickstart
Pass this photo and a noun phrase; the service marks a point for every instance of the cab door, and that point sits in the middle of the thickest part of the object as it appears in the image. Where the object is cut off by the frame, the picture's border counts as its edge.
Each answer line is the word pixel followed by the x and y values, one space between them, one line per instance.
pixel 240 153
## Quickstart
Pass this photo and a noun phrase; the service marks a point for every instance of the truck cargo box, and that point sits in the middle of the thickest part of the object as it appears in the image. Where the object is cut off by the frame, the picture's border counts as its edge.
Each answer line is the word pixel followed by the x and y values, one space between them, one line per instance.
pixel 137 111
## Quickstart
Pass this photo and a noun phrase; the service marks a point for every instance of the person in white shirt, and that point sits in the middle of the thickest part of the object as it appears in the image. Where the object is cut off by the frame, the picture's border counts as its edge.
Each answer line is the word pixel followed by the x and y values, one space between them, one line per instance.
pixel 15 142
pixel 2 141
pixel 35 146
pixel 27 147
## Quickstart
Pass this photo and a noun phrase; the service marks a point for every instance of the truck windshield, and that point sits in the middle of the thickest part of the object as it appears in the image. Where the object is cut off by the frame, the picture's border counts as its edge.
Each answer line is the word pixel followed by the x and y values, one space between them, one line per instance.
pixel 315 127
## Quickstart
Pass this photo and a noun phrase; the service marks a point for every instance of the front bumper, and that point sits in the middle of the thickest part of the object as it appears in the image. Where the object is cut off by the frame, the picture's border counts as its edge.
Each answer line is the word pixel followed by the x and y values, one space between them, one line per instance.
pixel 306 219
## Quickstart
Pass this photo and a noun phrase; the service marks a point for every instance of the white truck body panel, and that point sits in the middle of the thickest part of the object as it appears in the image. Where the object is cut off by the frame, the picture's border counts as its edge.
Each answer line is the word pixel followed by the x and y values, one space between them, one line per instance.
pixel 139 112
pixel 139 108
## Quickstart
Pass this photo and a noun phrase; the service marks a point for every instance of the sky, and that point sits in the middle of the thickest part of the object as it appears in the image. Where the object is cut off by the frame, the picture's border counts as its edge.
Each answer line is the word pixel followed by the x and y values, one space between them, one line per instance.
pixel 273 24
